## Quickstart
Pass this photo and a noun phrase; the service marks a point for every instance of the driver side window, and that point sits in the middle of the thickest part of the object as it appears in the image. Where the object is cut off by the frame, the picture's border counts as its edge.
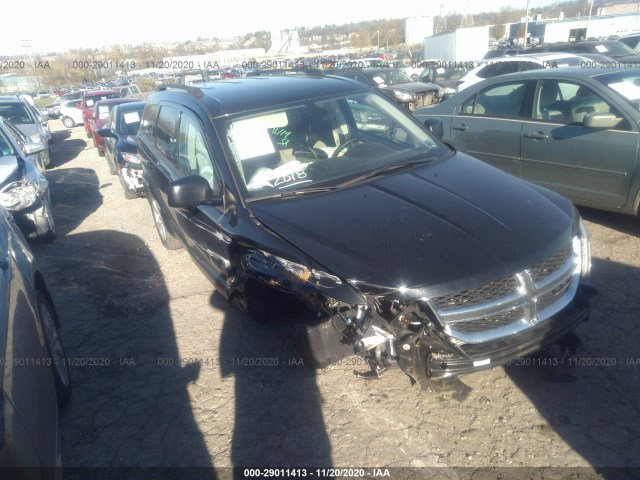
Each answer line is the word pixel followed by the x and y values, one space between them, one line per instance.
pixel 193 155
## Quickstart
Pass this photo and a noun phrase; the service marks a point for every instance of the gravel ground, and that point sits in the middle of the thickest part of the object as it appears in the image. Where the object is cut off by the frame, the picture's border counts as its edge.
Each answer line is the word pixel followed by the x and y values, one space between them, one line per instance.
pixel 166 374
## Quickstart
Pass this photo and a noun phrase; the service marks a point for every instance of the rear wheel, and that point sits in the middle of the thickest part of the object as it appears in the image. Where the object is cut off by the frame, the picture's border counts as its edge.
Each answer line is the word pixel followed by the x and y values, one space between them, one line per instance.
pixel 167 238
pixel 59 364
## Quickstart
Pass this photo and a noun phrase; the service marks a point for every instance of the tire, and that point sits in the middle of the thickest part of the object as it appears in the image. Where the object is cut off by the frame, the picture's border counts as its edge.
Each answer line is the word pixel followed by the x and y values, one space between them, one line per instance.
pixel 112 168
pixel 169 241
pixel 68 122
pixel 43 220
pixel 49 322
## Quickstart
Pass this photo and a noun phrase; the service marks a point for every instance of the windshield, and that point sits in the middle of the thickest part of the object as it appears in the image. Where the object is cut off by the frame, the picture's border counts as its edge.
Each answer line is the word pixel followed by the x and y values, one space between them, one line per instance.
pixel 390 77
pixel 6 147
pixel 323 144
pixel 91 100
pixel 129 122
pixel 614 49
pixel 17 113
pixel 442 74
pixel 626 84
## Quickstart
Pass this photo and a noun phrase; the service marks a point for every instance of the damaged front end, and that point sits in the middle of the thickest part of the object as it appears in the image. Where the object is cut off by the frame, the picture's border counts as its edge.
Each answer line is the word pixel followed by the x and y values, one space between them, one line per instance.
pixel 432 338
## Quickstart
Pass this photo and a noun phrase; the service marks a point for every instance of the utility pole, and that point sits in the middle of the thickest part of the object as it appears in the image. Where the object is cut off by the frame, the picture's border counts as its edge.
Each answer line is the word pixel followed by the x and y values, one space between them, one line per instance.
pixel 586 33
pixel 526 24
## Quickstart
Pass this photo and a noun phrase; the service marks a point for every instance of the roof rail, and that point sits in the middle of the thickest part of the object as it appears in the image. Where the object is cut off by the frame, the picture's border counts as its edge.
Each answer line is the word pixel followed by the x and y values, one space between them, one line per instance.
pixel 193 91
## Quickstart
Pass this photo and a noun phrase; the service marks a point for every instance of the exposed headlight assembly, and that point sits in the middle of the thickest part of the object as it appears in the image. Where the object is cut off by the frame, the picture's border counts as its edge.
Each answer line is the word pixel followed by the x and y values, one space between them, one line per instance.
pixel 132 158
pixel 22 194
pixel 285 271
pixel 36 138
pixel 404 96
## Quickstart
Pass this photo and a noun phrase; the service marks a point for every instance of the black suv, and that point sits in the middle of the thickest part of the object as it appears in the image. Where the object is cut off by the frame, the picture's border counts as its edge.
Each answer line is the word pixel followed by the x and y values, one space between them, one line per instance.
pixel 323 193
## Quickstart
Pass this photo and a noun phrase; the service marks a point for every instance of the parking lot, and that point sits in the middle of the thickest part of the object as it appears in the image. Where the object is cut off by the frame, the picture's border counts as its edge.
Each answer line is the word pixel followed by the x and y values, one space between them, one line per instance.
pixel 165 373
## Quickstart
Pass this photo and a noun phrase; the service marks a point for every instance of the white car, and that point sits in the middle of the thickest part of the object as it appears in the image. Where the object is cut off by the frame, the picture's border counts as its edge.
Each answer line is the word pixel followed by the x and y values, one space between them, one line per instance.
pixel 519 63
pixel 70 113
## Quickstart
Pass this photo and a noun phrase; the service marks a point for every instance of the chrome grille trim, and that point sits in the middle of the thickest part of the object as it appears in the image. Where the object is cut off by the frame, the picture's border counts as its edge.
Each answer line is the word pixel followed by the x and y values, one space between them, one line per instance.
pixel 541 292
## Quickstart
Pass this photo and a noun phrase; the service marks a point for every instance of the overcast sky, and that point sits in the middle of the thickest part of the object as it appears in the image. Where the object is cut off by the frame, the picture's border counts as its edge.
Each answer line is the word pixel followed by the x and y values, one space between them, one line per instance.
pixel 65 24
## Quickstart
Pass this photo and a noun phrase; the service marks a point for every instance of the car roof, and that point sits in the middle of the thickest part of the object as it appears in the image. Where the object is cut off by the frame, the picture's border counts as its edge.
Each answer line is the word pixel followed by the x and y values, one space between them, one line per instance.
pixel 542 57
pixel 576 72
pixel 127 106
pixel 92 93
pixel 229 96
pixel 110 101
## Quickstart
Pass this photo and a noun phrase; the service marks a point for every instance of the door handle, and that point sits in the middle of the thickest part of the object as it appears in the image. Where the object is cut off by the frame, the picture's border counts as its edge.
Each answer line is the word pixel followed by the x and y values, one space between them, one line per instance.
pixel 462 127
pixel 536 135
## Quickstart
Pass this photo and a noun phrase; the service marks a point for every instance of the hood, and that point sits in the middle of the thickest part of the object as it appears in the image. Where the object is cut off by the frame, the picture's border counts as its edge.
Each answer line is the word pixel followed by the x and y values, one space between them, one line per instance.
pixel 413 87
pixel 633 59
pixel 127 144
pixel 446 226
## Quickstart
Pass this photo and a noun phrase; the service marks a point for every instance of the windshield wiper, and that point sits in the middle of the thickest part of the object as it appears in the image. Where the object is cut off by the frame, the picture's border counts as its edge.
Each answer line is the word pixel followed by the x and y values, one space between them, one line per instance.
pixel 384 170
pixel 294 193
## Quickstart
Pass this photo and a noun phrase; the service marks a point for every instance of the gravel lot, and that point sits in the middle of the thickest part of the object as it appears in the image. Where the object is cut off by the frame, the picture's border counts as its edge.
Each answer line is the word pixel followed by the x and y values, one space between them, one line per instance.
pixel 161 377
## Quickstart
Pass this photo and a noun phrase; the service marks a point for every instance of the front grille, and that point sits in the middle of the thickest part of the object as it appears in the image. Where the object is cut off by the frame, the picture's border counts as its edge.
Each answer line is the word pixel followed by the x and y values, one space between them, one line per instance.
pixel 512 304
pixel 550 265
pixel 490 322
pixel 486 293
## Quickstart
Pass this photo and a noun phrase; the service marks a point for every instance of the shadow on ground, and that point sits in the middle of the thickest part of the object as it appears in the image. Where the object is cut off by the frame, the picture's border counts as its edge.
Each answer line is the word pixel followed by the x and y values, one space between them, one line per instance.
pixel 596 413
pixel 130 406
pixel 278 419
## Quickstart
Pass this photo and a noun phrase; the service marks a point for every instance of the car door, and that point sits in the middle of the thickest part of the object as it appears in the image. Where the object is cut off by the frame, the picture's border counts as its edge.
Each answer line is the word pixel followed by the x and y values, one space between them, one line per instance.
pixel 203 226
pixel 591 166
pixel 110 142
pixel 488 123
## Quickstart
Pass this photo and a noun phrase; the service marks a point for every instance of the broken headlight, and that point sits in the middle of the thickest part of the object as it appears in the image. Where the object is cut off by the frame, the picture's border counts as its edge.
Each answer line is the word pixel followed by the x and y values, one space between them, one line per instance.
pixel 404 96
pixel 131 158
pixel 19 195
pixel 286 271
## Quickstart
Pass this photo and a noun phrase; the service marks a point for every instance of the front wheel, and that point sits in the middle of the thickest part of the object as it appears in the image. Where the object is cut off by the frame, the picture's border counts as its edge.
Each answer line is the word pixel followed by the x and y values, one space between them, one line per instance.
pixel 68 122
pixel 55 348
pixel 43 221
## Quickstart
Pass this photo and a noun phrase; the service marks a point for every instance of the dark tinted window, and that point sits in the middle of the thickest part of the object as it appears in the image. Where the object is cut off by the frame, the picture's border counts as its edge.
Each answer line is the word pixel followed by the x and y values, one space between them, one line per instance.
pixel 166 132
pixel 500 68
pixel 148 125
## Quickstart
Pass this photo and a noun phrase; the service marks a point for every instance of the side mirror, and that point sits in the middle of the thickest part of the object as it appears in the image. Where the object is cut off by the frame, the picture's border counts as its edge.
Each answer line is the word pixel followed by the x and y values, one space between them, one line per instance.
pixel 43 118
pixel 601 120
pixel 434 125
pixel 106 133
pixel 189 192
pixel 33 148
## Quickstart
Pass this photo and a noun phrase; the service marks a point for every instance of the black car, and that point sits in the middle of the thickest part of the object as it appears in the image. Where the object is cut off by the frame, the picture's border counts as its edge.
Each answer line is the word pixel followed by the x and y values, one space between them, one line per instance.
pixel 120 147
pixel 393 83
pixel 322 193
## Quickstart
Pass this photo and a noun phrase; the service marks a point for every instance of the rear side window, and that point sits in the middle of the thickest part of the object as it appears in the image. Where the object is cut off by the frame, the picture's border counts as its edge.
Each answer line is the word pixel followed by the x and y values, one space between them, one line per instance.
pixel 503 100
pixel 166 132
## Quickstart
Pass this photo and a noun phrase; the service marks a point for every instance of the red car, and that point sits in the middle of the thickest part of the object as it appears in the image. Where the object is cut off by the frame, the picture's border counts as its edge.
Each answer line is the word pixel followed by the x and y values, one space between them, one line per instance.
pixel 89 100
pixel 100 116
